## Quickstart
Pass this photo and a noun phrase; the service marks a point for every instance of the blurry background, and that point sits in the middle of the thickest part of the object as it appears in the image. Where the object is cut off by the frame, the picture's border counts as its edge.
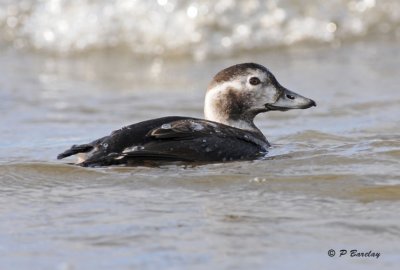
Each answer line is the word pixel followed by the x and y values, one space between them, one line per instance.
pixel 190 28
pixel 73 71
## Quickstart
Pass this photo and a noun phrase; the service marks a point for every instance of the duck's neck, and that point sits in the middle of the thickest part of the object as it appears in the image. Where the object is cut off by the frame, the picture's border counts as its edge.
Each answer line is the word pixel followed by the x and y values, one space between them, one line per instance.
pixel 229 111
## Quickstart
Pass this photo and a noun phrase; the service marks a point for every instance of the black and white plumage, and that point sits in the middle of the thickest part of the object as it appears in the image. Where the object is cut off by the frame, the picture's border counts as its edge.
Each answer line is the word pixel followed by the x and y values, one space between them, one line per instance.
pixel 234 97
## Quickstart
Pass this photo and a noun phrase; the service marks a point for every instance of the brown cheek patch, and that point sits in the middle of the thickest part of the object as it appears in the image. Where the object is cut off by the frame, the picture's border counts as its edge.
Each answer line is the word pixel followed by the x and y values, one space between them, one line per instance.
pixel 233 103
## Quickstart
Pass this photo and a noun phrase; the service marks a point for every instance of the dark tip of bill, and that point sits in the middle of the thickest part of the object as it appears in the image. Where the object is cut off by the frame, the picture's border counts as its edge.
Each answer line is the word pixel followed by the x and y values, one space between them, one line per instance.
pixel 313 103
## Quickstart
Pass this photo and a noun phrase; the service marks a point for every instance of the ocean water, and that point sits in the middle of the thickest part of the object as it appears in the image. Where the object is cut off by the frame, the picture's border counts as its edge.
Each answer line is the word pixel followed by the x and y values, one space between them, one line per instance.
pixel 71 72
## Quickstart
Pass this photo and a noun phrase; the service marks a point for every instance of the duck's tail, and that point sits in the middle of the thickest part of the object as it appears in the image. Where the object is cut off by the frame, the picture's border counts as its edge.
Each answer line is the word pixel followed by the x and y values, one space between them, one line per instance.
pixel 75 149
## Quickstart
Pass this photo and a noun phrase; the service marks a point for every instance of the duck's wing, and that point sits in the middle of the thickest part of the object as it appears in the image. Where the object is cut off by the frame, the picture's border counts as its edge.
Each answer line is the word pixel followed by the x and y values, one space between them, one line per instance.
pixel 171 139
pixel 167 141
pixel 195 140
pixel 185 129
pixel 119 139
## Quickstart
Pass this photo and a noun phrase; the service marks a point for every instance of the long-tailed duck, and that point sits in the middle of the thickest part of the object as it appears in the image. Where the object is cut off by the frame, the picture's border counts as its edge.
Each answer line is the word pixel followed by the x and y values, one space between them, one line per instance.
pixel 234 97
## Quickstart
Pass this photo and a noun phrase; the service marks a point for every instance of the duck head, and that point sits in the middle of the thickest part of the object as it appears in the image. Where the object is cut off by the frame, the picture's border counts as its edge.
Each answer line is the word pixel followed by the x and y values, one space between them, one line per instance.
pixel 240 92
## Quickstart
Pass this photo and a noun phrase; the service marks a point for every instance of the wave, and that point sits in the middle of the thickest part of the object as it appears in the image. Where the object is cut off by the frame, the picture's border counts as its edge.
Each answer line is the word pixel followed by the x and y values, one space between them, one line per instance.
pixel 194 28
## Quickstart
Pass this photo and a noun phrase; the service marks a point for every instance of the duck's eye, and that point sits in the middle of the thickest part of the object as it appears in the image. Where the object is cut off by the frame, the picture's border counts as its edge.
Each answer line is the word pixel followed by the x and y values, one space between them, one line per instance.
pixel 289 96
pixel 254 81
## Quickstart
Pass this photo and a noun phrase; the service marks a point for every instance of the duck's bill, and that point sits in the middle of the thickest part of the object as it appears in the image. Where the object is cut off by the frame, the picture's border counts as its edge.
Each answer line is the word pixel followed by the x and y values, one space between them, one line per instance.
pixel 290 100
